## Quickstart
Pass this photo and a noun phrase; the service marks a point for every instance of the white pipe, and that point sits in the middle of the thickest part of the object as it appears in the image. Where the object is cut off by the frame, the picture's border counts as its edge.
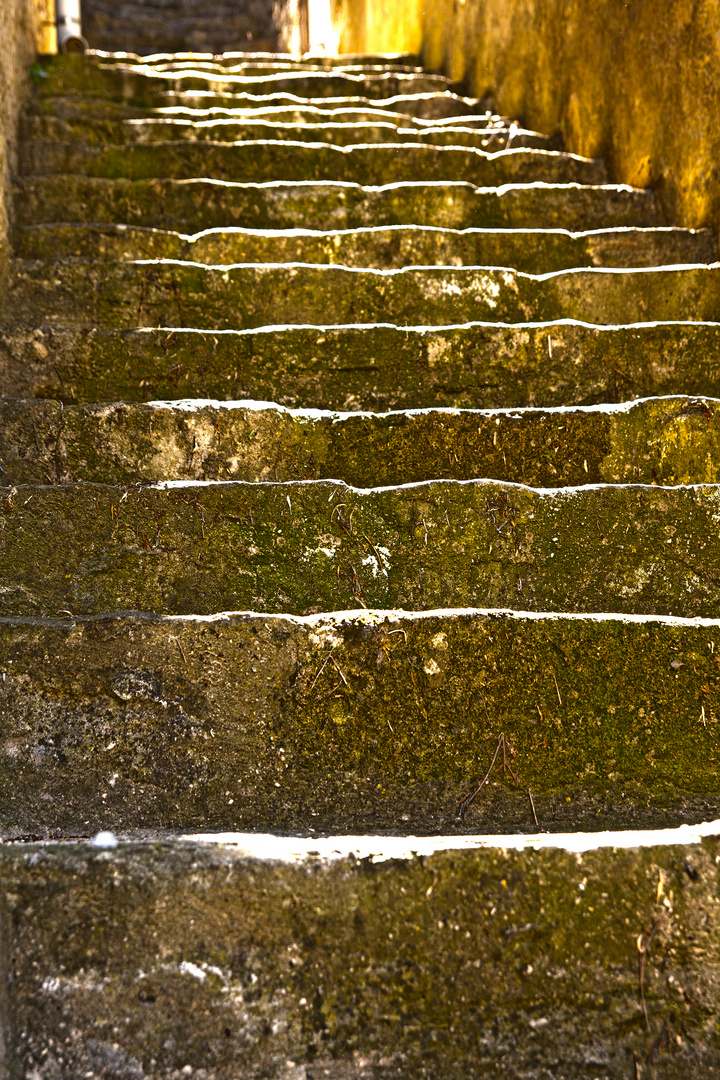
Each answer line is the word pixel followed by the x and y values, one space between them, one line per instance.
pixel 69 30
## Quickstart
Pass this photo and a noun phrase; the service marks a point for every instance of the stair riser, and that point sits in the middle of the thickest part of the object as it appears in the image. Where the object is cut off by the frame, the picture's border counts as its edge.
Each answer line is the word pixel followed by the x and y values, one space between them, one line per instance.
pixel 265 161
pixel 441 965
pixel 379 367
pixel 355 722
pixel 420 109
pixel 262 67
pixel 666 441
pixel 287 547
pixel 533 252
pixel 168 294
pixel 147 88
pixel 195 205
pixel 241 64
pixel 340 134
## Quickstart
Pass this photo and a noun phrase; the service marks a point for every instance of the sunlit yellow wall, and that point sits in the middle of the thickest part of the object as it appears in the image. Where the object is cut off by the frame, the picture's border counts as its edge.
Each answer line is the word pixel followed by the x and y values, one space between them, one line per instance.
pixel 636 81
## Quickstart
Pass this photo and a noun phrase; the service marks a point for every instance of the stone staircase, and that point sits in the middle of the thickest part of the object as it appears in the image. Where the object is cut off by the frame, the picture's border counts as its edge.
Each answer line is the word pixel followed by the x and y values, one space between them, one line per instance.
pixel 360 563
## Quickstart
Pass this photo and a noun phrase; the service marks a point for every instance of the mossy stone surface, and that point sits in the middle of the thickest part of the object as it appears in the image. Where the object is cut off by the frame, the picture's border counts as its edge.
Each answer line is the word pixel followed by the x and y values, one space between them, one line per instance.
pixel 267 160
pixel 157 958
pixel 192 205
pixel 173 293
pixel 372 367
pixel 250 128
pixel 672 440
pixel 356 722
pixel 311 546
pixel 532 251
pixel 147 86
pixel 410 108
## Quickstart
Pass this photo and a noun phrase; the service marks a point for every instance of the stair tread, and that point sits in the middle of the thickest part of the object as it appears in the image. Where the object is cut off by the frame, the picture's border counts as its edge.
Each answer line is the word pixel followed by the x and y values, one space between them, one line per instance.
pixel 239 946
pixel 170 292
pixel 533 251
pixel 193 205
pixel 389 61
pixel 142 84
pixel 204 546
pixel 403 60
pixel 427 108
pixel 274 160
pixel 664 440
pixel 380 366
pixel 133 721
pixel 173 129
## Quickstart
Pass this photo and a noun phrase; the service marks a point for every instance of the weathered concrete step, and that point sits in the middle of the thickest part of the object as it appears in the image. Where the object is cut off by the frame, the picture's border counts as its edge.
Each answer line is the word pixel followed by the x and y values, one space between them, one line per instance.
pixel 389 60
pixel 145 86
pixel 174 129
pixel 321 545
pixel 356 721
pixel 172 293
pixel 535 251
pixel 671 440
pixel 367 367
pixel 193 205
pixel 267 160
pixel 411 108
pixel 239 61
pixel 257 65
pixel 357 957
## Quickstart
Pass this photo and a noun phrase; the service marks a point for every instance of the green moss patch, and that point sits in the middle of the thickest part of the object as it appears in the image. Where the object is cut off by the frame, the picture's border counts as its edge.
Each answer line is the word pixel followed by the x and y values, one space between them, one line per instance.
pixel 357 722
pixel 321 545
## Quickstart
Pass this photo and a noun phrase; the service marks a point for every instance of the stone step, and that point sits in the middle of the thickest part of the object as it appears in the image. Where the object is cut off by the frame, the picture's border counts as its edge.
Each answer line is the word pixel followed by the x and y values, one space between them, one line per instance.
pixel 144 85
pixel 356 721
pixel 187 547
pixel 250 64
pixel 268 160
pixel 378 367
pixel 536 251
pixel 670 440
pixel 172 293
pixel 174 129
pixel 445 108
pixel 358 957
pixel 390 60
pixel 193 205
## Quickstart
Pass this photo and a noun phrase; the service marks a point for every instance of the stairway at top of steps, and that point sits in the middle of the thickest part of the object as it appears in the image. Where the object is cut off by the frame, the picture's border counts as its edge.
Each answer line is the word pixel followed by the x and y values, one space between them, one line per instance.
pixel 359 455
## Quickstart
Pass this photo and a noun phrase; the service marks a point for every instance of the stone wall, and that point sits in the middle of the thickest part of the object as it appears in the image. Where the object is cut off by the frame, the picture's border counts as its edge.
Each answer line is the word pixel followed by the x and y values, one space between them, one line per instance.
pixel 638 84
pixel 152 26
pixel 24 29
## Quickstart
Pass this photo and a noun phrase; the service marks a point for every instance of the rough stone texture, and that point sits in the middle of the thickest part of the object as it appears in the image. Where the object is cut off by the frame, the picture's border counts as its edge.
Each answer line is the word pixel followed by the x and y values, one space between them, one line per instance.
pixel 168 960
pixel 145 85
pixel 373 367
pixel 265 160
pixel 193 205
pixel 672 440
pixel 359 721
pixel 376 720
pixel 637 85
pixel 17 33
pixel 321 545
pixel 162 129
pixel 152 26
pixel 427 108
pixel 172 293
pixel 535 251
